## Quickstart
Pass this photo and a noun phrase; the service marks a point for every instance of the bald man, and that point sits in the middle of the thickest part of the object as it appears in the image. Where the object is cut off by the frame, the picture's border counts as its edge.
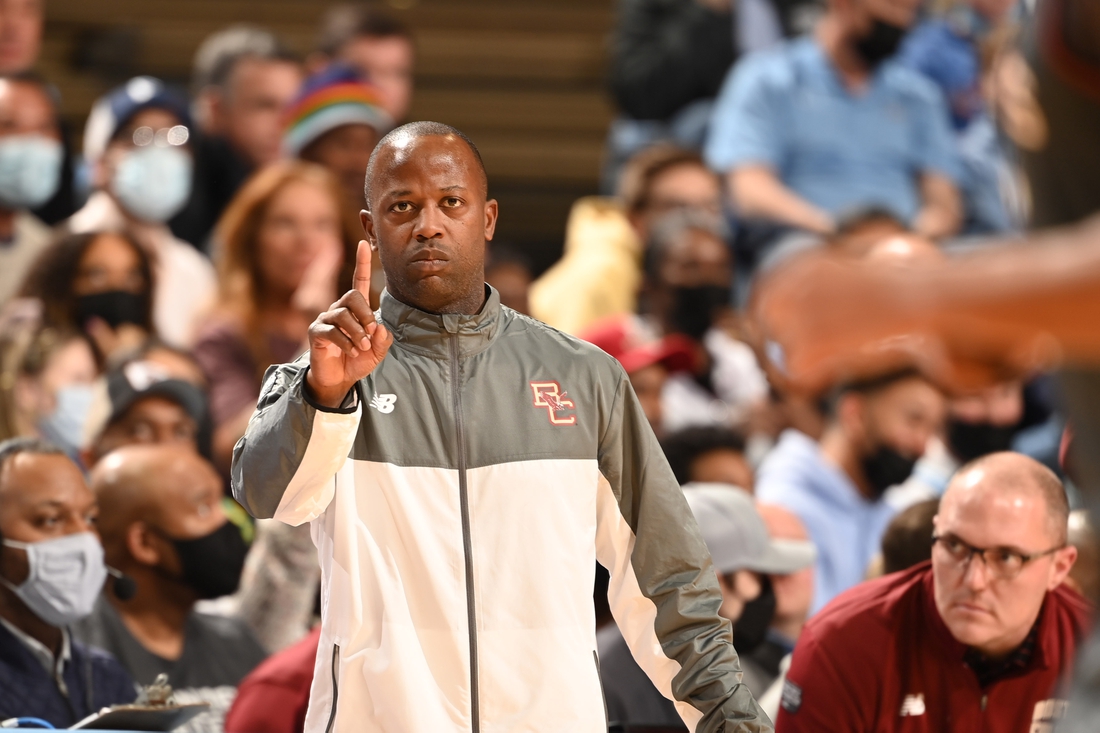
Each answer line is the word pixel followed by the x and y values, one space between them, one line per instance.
pixel 463 468
pixel 982 637
pixel 162 524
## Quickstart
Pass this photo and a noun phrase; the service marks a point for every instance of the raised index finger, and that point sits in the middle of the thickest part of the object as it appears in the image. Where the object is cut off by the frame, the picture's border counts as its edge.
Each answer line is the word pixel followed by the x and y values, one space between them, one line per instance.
pixel 361 279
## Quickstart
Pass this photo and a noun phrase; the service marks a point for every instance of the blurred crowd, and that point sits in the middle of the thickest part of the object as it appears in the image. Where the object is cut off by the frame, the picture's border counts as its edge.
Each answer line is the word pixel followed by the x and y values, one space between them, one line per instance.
pixel 148 282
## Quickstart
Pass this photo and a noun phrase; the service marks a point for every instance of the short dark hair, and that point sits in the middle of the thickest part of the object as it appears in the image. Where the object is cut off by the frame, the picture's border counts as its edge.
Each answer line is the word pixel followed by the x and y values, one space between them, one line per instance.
pixel 855 219
pixel 342 23
pixel 869 386
pixel 415 130
pixel 644 166
pixel 220 53
pixel 684 447
pixel 34 79
pixel 907 540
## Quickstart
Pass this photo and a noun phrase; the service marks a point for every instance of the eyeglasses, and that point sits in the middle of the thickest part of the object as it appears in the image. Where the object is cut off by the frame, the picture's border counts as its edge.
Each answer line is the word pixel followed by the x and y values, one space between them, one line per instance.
pixel 162 138
pixel 1003 563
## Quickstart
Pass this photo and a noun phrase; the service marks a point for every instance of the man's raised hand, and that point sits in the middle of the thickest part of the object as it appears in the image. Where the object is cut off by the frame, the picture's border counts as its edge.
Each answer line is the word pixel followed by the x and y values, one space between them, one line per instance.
pixel 345 342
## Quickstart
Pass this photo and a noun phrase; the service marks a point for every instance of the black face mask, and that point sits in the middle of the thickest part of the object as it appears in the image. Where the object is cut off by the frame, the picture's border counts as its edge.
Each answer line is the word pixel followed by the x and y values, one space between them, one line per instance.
pixel 751 629
pixel 886 467
pixel 116 307
pixel 879 43
pixel 969 440
pixel 212 565
pixel 693 308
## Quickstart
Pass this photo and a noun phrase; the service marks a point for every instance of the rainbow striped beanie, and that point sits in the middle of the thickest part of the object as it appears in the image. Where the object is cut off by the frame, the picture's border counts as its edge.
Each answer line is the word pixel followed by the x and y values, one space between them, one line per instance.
pixel 333 97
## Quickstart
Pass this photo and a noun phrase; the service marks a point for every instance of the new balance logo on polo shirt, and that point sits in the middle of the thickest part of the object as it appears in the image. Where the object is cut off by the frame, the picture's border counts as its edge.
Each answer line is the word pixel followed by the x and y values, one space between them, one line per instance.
pixel 383 403
pixel 912 705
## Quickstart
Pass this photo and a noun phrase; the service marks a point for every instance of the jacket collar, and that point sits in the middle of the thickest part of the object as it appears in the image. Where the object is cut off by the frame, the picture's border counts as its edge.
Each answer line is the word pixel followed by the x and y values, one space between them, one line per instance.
pixel 430 333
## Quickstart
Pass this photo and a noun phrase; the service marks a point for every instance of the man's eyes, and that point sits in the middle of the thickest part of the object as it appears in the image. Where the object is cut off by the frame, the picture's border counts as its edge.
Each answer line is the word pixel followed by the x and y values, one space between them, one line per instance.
pixel 402 207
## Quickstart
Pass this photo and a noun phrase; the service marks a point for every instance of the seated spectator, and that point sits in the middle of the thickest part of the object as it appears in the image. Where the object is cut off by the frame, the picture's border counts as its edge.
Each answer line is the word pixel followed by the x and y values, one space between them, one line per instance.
pixel 600 274
pixel 710 455
pixel 688 291
pixel 876 431
pixel 137 144
pixel 509 272
pixel 647 358
pixel 982 638
pixel 274 697
pixel 743 558
pixel 51 571
pixel 828 123
pixel 100 284
pixel 242 78
pixel 335 121
pixel 30 173
pixel 794 592
pixel 142 403
pixel 378 45
pixel 284 251
pixel 162 524
pixel 47 388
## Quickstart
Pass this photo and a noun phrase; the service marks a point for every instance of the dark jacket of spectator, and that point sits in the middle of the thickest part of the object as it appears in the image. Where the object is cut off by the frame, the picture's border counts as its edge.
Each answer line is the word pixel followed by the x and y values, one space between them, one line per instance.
pixel 92 678
pixel 880 658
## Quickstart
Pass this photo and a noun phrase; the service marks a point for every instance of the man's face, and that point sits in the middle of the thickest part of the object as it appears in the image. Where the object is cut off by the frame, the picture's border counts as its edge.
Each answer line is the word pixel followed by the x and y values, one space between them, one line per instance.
pixel 903 415
pixel 42 497
pixel 697 258
pixel 345 151
pixel 26 110
pixel 429 220
pixel 794 592
pixel 684 186
pixel 249 114
pixel 150 420
pixel 20 34
pixel 387 63
pixel 188 506
pixel 981 610
pixel 1001 405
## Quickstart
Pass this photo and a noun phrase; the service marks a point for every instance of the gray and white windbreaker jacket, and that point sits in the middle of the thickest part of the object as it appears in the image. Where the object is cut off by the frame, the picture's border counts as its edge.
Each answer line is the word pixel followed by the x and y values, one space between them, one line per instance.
pixel 459 503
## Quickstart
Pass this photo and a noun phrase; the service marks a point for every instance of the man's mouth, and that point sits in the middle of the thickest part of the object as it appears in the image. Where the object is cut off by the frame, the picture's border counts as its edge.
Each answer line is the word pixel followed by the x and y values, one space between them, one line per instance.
pixel 428 261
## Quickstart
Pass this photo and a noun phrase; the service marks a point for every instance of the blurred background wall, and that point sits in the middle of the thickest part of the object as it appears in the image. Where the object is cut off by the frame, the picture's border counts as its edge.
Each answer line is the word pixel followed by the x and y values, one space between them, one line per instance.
pixel 524 78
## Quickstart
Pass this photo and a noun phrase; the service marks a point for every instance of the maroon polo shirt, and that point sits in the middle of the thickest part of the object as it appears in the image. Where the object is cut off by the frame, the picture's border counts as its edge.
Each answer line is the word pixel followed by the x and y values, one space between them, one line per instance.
pixel 879 659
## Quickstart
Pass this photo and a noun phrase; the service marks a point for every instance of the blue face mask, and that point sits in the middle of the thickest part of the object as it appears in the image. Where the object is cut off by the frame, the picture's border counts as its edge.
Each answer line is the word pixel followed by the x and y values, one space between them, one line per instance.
pixel 66 576
pixel 153 183
pixel 30 170
pixel 65 425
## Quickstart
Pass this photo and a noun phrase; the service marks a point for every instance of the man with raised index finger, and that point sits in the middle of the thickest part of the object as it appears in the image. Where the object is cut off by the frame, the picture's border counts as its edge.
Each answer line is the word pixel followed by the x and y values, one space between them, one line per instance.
pixel 463 467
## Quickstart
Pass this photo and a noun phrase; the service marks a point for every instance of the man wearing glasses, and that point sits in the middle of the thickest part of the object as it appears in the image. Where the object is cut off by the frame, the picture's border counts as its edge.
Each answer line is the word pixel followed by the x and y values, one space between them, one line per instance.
pixel 983 637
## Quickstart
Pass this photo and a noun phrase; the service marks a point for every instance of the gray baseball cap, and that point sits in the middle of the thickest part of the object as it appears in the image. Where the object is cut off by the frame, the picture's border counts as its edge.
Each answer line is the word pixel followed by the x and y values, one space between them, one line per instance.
pixel 736 535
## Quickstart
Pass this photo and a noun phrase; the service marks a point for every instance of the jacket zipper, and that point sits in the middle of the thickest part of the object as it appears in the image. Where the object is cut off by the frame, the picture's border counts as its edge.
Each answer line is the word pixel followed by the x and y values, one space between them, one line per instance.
pixel 467 543
pixel 335 687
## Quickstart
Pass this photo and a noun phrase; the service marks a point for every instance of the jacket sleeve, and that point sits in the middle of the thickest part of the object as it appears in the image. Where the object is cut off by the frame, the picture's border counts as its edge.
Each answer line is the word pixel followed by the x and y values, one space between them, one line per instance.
pixel 668 53
pixel 285 464
pixel 663 591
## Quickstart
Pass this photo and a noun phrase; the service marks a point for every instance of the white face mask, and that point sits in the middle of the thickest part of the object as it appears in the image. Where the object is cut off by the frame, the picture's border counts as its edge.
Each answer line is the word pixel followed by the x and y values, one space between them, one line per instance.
pixel 153 183
pixel 66 576
pixel 65 425
pixel 30 170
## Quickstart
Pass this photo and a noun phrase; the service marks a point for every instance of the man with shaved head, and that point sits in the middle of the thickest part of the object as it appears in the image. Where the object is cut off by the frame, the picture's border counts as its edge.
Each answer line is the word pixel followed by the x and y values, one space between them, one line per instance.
pixel 982 637
pixel 163 525
pixel 463 467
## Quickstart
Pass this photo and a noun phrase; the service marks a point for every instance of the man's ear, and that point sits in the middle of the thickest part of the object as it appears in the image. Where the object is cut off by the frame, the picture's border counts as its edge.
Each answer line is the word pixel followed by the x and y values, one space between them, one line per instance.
pixel 140 544
pixel 492 209
pixel 367 220
pixel 1063 563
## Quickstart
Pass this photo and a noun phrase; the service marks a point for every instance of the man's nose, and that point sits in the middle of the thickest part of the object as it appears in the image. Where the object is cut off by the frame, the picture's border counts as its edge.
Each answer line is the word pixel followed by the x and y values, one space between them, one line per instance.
pixel 976 574
pixel 429 224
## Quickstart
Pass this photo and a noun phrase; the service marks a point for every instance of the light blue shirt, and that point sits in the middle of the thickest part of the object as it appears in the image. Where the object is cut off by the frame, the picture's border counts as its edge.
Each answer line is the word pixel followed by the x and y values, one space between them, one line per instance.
pixel 788 109
pixel 846 528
